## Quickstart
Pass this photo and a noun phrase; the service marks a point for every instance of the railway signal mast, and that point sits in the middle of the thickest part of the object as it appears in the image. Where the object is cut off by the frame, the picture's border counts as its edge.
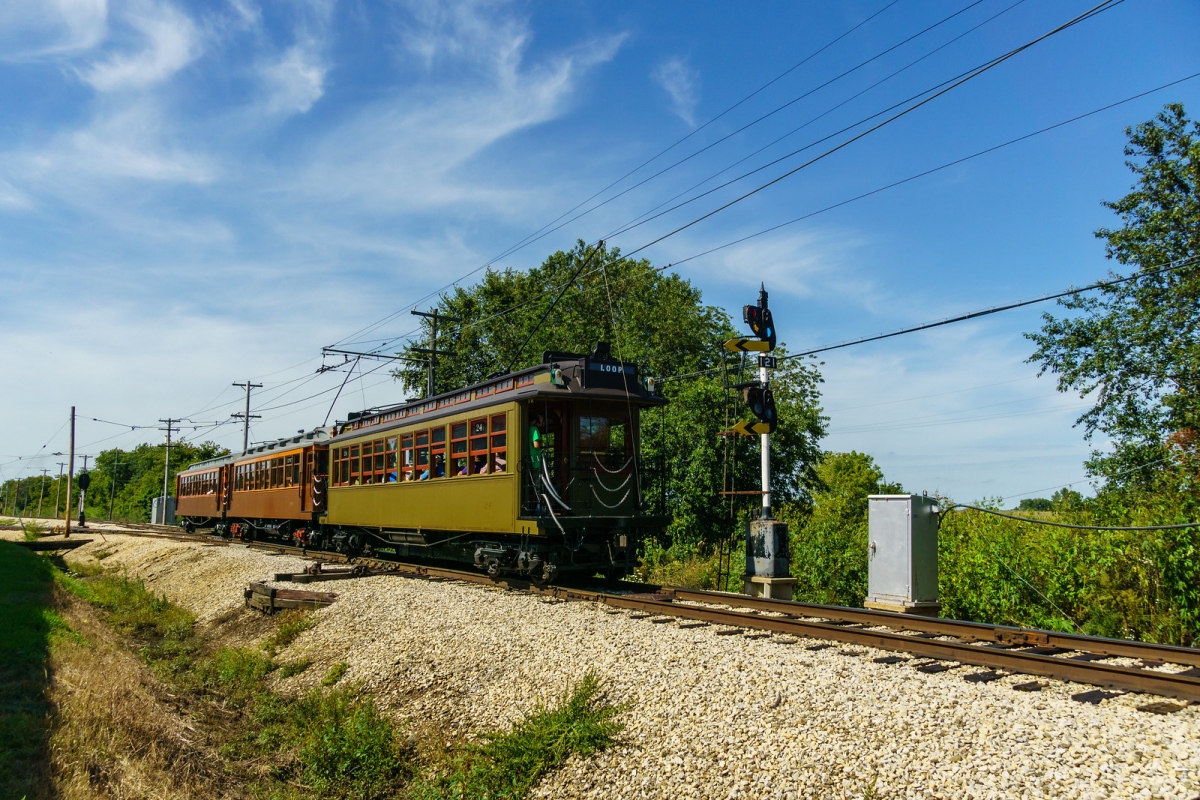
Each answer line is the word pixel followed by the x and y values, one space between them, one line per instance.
pixel 767 570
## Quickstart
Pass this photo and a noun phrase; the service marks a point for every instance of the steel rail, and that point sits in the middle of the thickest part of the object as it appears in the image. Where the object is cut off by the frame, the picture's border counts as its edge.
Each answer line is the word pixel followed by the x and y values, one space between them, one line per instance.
pixel 977 644
pixel 966 631
pixel 1131 679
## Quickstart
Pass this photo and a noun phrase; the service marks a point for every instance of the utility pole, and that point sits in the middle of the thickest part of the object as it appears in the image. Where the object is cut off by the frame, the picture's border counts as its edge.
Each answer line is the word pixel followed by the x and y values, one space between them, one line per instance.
pixel 58 485
pixel 17 498
pixel 42 492
pixel 244 417
pixel 112 489
pixel 167 463
pixel 70 473
pixel 433 315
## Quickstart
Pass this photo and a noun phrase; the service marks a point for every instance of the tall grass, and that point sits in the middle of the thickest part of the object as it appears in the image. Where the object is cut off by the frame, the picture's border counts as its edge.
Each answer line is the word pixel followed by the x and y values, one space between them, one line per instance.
pixel 506 765
pixel 329 742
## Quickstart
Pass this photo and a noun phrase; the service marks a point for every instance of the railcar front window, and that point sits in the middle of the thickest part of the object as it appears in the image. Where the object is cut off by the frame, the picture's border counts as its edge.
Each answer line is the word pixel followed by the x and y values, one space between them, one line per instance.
pixel 605 440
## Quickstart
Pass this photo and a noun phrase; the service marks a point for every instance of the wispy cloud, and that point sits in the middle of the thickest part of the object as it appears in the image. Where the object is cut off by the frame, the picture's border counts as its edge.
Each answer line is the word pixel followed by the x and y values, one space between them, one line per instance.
pixel 680 82
pixel 165 40
pixel 296 80
pixel 405 152
pixel 797 263
pixel 50 28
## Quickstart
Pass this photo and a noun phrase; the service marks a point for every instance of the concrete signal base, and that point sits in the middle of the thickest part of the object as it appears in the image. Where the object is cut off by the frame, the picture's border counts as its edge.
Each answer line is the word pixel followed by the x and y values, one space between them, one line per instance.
pixel 769 588
pixel 901 607
pixel 767 573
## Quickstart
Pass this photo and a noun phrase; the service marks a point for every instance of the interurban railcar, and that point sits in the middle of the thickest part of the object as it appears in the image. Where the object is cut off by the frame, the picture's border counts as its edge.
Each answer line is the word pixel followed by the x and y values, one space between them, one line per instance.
pixel 533 473
pixel 273 489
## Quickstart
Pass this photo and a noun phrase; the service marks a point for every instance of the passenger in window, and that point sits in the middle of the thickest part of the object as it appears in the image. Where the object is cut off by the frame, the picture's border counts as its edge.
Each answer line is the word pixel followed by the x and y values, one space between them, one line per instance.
pixel 479 466
pixel 391 476
pixel 499 463
pixel 439 466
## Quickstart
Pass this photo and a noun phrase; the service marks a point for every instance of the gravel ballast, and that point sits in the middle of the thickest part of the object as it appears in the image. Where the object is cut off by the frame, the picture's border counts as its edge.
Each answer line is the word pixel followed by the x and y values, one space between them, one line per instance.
pixel 709 716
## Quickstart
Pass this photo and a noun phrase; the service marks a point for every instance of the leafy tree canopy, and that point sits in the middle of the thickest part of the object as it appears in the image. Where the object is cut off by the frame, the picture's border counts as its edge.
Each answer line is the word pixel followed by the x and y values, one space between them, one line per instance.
pixel 1035 504
pixel 659 321
pixel 829 542
pixel 1135 344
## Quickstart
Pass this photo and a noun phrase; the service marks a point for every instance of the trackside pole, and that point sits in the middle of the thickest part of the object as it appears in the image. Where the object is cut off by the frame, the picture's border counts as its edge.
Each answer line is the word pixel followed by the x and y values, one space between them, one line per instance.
pixel 70 472
pixel 767 569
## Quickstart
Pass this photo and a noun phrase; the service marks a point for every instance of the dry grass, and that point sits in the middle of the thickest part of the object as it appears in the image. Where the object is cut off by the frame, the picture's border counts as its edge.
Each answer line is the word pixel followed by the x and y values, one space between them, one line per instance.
pixel 117 731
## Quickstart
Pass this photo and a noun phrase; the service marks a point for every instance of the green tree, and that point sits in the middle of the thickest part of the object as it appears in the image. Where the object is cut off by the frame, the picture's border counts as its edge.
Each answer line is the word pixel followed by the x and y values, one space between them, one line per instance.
pixel 659 321
pixel 829 542
pixel 1035 504
pixel 1135 344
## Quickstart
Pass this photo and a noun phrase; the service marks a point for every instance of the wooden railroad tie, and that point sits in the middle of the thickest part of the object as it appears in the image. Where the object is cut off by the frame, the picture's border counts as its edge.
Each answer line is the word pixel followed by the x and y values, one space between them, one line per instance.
pixel 270 599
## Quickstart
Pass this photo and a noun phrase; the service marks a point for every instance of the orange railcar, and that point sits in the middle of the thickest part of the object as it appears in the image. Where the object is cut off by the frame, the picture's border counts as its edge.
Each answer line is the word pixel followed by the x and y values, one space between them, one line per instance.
pixel 277 487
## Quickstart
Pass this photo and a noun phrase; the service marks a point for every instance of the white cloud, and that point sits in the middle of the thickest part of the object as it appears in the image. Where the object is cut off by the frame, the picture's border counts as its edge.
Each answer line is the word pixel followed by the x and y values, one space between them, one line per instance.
pixel 798 263
pixel 404 153
pixel 168 41
pixel 13 198
pixel 296 80
pixel 50 28
pixel 680 83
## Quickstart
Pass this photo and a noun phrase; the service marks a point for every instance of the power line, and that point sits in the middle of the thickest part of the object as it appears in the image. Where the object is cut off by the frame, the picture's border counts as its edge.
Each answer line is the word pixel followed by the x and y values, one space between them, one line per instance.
pixel 1078 527
pixel 823 114
pixel 941 89
pixel 933 170
pixel 1174 265
pixel 653 158
pixel 733 133
pixel 946 87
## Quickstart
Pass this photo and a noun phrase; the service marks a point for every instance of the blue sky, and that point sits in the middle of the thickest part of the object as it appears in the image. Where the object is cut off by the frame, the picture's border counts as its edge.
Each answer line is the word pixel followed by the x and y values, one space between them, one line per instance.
pixel 193 194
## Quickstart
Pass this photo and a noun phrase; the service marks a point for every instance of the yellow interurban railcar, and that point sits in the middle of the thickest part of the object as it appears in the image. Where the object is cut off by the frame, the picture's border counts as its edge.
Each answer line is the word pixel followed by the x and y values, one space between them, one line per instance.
pixel 532 473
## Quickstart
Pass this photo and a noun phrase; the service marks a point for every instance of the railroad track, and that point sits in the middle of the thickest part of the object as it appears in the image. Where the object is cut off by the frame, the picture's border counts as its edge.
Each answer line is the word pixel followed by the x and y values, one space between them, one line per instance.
pixel 930 644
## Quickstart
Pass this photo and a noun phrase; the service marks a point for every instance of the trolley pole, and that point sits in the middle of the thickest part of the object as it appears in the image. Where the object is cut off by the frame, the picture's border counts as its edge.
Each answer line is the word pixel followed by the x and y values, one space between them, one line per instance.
pixel 244 417
pixel 70 472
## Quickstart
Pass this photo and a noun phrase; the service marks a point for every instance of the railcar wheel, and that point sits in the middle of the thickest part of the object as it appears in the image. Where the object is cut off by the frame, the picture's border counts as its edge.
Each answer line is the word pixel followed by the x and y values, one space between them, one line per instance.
pixel 493 569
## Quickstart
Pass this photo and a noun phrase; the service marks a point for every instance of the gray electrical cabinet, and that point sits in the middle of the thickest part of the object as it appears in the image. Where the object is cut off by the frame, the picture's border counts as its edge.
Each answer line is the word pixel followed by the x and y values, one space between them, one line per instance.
pixel 162 513
pixel 902 554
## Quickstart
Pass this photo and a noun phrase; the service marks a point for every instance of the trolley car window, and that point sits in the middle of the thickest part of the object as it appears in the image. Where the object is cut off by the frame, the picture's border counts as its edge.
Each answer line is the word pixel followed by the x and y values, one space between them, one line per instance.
pixel 392 477
pixel 437 452
pixel 499 461
pixel 406 444
pixel 458 449
pixel 606 439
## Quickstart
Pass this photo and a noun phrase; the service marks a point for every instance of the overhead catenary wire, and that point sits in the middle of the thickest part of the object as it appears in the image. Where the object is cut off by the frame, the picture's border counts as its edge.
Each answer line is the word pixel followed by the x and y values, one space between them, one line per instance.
pixel 820 116
pixel 631 172
pixel 1174 265
pixel 933 93
pixel 944 88
pixel 739 130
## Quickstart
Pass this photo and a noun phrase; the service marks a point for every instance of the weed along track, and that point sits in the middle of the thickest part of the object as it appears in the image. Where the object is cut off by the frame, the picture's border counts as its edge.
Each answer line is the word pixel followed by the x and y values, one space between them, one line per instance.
pixel 451 661
pixel 1127 666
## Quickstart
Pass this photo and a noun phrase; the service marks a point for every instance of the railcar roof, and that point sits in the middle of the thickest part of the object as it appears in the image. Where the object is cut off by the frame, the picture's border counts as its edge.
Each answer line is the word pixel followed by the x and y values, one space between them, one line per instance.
pixel 596 376
pixel 315 436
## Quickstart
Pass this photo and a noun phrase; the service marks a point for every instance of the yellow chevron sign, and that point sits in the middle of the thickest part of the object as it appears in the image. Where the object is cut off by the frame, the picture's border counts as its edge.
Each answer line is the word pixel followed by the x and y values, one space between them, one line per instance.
pixel 748 345
pixel 750 428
